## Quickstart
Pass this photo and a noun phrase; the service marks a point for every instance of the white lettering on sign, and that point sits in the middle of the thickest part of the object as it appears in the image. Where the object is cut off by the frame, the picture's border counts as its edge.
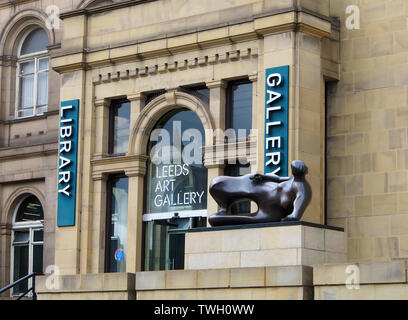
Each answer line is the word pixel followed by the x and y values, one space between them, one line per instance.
pixel 273 80
pixel 165 191
pixel 65 148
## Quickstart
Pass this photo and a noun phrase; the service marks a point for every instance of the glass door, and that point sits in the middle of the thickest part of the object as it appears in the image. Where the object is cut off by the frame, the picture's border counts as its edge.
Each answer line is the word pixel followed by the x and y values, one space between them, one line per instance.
pixel 164 242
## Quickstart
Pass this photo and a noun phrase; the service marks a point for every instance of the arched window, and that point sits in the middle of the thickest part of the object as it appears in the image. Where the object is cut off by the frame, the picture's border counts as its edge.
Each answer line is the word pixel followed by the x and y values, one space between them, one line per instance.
pixel 32 74
pixel 27 241
pixel 176 188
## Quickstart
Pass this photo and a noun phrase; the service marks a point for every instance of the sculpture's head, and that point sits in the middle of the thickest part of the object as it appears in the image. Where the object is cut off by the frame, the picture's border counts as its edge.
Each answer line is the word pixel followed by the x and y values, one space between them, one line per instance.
pixel 298 168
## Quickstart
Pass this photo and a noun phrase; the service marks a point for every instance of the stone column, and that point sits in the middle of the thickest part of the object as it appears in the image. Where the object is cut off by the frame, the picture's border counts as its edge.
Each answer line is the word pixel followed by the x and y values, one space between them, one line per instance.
pixel 252 144
pixel 217 109
pixel 217 102
pixel 135 214
pixel 5 246
pixel 96 251
pixel 137 102
pixel 101 127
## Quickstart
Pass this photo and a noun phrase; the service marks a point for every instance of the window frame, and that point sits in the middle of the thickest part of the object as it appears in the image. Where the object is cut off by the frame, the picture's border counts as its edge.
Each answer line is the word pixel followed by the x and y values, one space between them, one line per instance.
pixel 229 117
pixel 108 219
pixel 31 227
pixel 36 57
pixel 194 216
pixel 111 126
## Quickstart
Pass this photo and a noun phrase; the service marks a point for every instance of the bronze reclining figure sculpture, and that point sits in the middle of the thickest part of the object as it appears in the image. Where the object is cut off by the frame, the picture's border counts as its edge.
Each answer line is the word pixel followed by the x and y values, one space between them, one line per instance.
pixel 278 198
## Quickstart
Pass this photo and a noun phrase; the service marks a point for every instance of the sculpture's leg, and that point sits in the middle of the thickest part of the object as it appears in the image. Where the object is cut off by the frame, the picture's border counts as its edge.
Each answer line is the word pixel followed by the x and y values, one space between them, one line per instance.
pixel 223 220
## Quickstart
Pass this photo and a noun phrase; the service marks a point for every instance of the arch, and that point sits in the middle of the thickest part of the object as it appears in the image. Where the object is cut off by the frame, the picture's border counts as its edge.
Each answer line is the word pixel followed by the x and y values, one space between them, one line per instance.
pixel 93 3
pixel 17 197
pixel 34 41
pixel 157 108
pixel 16 26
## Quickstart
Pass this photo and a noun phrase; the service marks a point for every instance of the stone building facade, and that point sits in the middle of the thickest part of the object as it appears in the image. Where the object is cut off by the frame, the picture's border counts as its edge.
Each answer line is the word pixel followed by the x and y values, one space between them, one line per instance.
pixel 132 67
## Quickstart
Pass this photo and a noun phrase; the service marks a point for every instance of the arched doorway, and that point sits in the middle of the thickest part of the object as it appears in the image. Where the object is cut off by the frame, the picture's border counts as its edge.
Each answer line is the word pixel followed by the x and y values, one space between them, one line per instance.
pixel 27 241
pixel 176 188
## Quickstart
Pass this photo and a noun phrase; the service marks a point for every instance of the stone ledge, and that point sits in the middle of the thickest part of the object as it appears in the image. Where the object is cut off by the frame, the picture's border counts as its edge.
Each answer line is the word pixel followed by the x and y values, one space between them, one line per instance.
pixel 101 282
pixel 271 293
pixel 289 276
pixel 370 273
pixel 267 225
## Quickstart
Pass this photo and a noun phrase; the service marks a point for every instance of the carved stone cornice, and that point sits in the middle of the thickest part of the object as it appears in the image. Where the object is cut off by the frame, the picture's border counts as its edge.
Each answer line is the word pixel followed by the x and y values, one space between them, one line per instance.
pixel 253 28
pixel 178 64
pixel 8 61
pixel 130 164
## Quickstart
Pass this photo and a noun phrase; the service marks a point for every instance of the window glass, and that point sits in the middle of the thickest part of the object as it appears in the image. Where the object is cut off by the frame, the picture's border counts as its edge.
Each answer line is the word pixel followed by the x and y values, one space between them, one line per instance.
pixel 38 235
pixel 177 185
pixel 118 223
pixel 21 259
pixel 21 236
pixel 38 258
pixel 176 189
pixel 120 127
pixel 240 108
pixel 36 41
pixel 27 92
pixel 33 75
pixel 165 242
pixel 28 238
pixel 200 92
pixel 42 89
pixel 30 210
pixel 43 64
pixel 27 68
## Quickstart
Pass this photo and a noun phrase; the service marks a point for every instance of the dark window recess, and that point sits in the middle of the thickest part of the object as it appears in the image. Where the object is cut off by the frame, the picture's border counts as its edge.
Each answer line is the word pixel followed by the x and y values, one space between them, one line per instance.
pixel 30 210
pixel 200 92
pixel 239 107
pixel 119 126
pixel 153 95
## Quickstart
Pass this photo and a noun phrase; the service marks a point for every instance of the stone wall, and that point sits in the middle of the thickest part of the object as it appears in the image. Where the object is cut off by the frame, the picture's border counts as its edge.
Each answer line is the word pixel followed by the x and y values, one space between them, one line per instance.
pixel 367 121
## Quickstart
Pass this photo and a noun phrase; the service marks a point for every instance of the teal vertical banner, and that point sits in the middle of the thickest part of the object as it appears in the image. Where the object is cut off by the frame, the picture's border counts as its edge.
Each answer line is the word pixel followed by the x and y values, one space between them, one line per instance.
pixel 67 163
pixel 276 120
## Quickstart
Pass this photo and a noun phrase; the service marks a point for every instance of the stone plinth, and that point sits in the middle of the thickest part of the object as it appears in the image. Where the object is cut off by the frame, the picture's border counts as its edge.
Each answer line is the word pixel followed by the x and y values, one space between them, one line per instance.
pixel 260 245
pixel 260 283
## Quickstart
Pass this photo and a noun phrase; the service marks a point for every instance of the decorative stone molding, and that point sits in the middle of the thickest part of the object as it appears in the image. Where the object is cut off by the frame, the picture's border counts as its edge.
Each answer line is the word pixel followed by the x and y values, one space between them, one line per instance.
pixel 102 103
pixel 13 28
pixel 136 97
pixel 8 61
pixel 158 107
pixel 216 84
pixel 181 64
pixel 130 164
pixel 5 229
pixel 17 195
